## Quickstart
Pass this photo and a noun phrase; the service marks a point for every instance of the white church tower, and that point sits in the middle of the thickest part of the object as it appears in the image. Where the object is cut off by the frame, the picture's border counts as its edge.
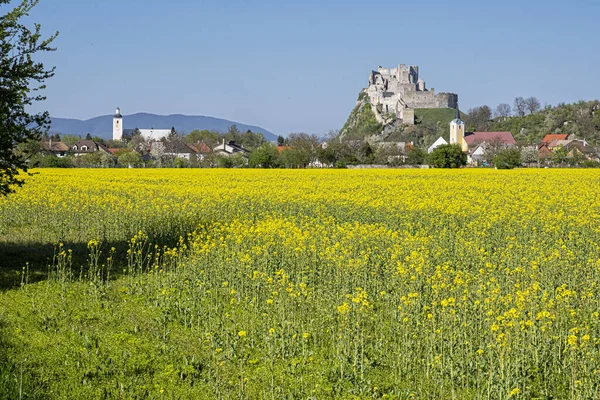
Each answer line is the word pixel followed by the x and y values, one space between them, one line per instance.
pixel 118 125
pixel 457 132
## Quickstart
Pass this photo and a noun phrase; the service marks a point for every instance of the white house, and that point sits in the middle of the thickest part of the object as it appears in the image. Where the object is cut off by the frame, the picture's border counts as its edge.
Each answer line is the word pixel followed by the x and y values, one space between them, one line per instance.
pixel 436 144
pixel 229 149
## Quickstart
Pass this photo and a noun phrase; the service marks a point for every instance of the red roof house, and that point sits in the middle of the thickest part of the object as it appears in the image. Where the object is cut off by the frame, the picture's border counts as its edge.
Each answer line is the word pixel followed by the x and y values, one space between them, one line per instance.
pixel 475 138
pixel 549 138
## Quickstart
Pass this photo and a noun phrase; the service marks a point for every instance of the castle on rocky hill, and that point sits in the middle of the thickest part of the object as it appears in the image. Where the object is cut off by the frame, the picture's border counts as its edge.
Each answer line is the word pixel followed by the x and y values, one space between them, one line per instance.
pixel 399 91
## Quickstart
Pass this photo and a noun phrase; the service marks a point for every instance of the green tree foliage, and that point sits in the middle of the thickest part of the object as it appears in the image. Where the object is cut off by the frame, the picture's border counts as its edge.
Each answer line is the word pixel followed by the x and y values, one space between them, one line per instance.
pixel 508 159
pixel 303 150
pixel 581 120
pixel 415 156
pixel 21 80
pixel 448 156
pixel 249 140
pixel 70 140
pixel 361 123
pixel 294 158
pixel 560 156
pixel 211 138
pixel 57 162
pixel 266 156
pixel 336 153
pixel 130 158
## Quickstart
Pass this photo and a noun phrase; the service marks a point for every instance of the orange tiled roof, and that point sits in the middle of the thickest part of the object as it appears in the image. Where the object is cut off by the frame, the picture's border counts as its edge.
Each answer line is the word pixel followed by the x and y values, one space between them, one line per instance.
pixel 554 136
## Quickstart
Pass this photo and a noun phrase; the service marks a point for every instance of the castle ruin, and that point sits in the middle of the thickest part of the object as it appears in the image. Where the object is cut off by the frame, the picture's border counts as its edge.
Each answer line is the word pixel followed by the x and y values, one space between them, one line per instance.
pixel 400 91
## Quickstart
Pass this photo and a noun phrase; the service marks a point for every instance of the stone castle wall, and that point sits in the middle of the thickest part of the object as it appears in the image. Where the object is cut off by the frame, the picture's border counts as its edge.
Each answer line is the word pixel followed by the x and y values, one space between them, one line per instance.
pixel 396 90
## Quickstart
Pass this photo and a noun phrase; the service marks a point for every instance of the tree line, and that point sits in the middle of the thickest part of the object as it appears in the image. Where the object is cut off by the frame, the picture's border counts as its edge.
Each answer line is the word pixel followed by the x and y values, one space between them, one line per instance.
pixel 529 122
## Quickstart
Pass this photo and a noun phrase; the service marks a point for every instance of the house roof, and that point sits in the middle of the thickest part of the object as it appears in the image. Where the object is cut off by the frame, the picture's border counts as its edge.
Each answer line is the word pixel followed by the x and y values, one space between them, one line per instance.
pixel 200 147
pixel 282 148
pixel 90 145
pixel 474 138
pixel 114 150
pixel 54 146
pixel 231 144
pixel 555 136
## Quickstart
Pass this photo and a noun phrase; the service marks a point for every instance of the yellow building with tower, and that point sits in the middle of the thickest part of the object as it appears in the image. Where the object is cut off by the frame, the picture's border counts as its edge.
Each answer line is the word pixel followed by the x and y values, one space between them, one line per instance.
pixel 457 132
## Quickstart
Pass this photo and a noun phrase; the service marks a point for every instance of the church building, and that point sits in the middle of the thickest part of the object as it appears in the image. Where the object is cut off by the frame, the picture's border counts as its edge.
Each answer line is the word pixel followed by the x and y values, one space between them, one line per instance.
pixel 148 134
pixel 457 132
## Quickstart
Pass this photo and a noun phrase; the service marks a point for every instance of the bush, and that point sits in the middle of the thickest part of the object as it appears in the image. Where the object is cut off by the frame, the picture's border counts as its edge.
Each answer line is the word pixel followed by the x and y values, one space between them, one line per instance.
pixel 57 162
pixel 590 164
pixel 448 156
pixel 508 159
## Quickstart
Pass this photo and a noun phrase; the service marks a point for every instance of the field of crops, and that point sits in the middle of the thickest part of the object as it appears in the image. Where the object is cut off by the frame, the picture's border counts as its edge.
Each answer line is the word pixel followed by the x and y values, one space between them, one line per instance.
pixel 396 284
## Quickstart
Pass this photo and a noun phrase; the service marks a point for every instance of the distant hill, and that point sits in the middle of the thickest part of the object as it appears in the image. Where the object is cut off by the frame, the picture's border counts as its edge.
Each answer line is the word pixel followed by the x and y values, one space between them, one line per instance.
pixel 102 126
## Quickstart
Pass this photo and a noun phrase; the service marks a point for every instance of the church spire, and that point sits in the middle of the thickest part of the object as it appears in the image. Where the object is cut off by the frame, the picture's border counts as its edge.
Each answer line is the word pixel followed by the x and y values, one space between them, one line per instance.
pixel 457 112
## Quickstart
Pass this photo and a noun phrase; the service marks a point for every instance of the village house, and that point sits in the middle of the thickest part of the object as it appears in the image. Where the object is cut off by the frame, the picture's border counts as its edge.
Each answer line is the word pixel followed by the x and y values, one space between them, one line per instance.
pixel 175 149
pixel 58 149
pixel 229 149
pixel 201 149
pixel 549 138
pixel 83 147
pixel 436 144
pixel 577 148
pixel 481 144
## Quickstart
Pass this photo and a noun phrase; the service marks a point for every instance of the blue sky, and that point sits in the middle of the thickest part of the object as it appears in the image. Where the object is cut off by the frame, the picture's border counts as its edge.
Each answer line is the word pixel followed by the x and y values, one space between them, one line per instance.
pixel 298 66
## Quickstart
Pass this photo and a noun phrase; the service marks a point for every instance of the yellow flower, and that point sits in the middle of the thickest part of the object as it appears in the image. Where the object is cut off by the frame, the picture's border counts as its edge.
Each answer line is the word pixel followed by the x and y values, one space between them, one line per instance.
pixel 242 334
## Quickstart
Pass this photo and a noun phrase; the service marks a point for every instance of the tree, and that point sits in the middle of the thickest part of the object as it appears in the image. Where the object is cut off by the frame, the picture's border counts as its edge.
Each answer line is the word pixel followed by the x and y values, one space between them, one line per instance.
pixel 508 159
pixel 530 155
pixel 138 143
pixel 88 137
pixel 233 133
pixel 21 80
pixel 130 159
pixel 280 140
pixel 478 118
pixel 448 156
pixel 304 147
pixel 502 111
pixel 415 156
pixel 532 105
pixel 266 156
pixel 251 140
pixel 560 155
pixel 70 140
pixel 494 146
pixel 210 138
pixel 519 106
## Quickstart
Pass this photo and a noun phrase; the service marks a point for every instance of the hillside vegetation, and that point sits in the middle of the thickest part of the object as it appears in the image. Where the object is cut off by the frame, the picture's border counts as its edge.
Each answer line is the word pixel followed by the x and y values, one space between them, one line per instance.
pixel 580 119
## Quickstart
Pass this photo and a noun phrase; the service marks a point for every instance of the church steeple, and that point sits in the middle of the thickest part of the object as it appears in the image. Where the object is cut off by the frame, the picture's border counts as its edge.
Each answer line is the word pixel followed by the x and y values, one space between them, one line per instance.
pixel 457 131
pixel 118 125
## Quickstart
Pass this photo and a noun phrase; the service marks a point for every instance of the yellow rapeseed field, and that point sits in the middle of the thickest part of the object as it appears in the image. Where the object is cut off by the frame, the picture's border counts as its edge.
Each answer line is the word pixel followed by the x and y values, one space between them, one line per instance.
pixel 396 284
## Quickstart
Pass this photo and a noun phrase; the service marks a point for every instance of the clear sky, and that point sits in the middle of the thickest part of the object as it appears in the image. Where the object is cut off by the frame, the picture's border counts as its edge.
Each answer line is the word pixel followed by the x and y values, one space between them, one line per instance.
pixel 298 66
